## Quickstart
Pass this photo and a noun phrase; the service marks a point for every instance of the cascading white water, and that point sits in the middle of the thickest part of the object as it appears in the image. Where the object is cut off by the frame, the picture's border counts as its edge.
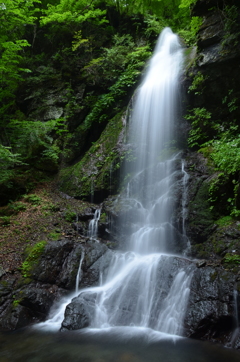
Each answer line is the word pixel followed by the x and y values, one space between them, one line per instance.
pixel 147 285
pixel 79 273
pixel 93 225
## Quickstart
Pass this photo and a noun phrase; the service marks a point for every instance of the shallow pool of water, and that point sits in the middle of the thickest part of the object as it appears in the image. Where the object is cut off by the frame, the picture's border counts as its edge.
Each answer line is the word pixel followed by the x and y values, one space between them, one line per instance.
pixel 111 345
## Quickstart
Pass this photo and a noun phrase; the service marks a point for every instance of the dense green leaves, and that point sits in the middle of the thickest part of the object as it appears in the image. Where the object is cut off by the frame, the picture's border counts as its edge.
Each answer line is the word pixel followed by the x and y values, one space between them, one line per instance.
pixel 72 11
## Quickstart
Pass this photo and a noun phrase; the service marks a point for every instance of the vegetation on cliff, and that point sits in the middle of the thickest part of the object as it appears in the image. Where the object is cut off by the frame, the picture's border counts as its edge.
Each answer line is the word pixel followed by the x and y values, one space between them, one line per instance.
pixel 67 68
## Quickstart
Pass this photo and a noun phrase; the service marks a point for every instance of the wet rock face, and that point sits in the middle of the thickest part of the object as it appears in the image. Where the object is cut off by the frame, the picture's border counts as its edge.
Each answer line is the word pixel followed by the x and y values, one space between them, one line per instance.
pixel 200 220
pixel 203 7
pixel 210 313
pixel 78 313
pixel 211 31
pixel 218 55
pixel 52 277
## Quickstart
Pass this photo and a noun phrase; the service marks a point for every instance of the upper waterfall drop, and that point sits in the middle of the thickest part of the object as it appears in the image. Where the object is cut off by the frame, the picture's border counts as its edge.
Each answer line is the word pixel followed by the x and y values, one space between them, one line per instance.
pixel 155 108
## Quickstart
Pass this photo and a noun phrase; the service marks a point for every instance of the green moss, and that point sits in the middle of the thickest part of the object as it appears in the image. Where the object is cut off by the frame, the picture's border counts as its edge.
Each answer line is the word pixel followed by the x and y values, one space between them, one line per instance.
pixel 224 221
pixel 199 207
pixel 70 216
pixel 33 256
pixel 213 276
pixel 200 251
pixel 103 217
pixel 16 302
pixel 93 171
pixel 54 236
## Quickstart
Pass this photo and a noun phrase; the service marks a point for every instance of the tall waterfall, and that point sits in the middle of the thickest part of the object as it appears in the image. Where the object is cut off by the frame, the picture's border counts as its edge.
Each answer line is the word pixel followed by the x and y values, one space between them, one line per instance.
pixel 147 284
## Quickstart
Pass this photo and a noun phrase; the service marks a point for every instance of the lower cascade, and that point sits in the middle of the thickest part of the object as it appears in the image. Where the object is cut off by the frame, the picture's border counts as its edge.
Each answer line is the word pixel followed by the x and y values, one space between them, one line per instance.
pixel 146 283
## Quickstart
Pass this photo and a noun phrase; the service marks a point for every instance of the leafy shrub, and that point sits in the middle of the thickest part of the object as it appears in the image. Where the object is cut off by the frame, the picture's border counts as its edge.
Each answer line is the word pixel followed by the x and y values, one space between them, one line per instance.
pixel 232 258
pixel 197 84
pixel 200 121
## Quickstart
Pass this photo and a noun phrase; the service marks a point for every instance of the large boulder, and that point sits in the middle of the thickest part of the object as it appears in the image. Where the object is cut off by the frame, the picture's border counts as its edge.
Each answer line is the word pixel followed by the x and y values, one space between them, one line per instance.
pixel 52 276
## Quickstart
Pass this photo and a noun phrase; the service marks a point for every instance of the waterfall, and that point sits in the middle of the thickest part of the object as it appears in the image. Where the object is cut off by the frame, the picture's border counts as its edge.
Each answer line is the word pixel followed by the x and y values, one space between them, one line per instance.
pixel 236 332
pixel 93 225
pixel 79 273
pixel 147 283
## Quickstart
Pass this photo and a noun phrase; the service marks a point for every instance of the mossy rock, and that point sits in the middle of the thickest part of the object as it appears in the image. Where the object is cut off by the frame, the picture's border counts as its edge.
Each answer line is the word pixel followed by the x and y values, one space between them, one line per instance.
pixel 91 176
pixel 32 258
pixel 201 218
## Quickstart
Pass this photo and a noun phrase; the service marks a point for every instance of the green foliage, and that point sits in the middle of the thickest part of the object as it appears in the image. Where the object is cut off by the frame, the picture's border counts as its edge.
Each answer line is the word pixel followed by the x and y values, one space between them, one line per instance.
pixel 133 62
pixel 201 122
pixel 214 188
pixel 103 217
pixel 226 155
pixel 226 158
pixel 197 84
pixel 70 34
pixel 54 236
pixel 232 259
pixel 10 69
pixel 230 101
pixel 114 60
pixel 16 302
pixel 187 3
pixel 154 25
pixel 73 12
pixel 32 137
pixel 8 161
pixel 17 206
pixel 231 37
pixel 189 31
pixel 33 199
pixel 224 221
pixel 5 220
pixel 14 16
pixel 78 40
pixel 70 216
pixel 33 256
pixel 165 9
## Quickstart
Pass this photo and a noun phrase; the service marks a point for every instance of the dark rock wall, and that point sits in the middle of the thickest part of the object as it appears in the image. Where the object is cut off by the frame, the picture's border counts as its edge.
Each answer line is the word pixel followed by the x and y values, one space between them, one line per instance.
pixel 212 311
pixel 51 278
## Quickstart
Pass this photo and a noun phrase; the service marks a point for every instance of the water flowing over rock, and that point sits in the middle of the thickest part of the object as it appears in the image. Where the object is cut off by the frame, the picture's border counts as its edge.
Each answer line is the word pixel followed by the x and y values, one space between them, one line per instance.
pixel 146 284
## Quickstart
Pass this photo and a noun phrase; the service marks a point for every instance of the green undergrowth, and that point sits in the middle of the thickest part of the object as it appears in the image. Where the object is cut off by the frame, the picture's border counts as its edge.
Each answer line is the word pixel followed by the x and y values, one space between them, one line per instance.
pixel 224 221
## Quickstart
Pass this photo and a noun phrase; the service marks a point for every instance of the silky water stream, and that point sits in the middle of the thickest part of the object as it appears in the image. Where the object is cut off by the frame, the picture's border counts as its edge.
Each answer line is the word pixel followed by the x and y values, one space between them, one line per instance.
pixel 137 311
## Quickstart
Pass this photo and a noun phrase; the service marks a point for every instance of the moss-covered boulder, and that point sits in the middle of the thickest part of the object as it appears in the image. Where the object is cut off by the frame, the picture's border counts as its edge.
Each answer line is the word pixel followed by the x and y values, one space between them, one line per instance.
pixel 95 176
